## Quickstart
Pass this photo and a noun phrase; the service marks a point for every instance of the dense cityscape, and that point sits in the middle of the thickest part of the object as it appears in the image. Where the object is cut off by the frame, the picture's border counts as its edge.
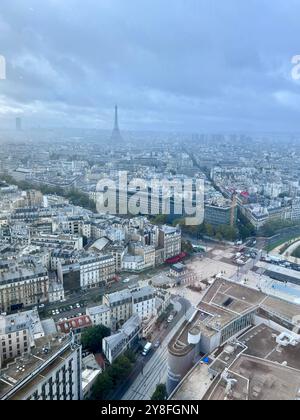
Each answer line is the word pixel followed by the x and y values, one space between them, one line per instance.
pixel 147 295
pixel 142 305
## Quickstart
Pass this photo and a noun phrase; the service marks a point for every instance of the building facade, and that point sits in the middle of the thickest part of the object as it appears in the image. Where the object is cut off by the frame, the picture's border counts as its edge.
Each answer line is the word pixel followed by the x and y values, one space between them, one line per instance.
pixel 54 375
pixel 22 286
pixel 100 315
pixel 170 241
pixel 18 333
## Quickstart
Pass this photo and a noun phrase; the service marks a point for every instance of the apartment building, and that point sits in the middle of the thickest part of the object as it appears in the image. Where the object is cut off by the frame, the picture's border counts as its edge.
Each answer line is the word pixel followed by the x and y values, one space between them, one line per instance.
pixel 18 333
pixel 74 326
pixel 52 371
pixel 118 307
pixel 133 263
pixel 145 255
pixel 118 251
pixel 100 315
pixel 170 241
pixel 87 272
pixel 127 337
pixel 96 270
pixel 120 304
pixel 62 256
pixel 56 241
pixel 143 302
pixel 23 284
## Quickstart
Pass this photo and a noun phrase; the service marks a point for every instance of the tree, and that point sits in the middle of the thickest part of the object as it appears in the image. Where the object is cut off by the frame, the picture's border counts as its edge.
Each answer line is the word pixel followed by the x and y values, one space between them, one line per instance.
pixel 91 338
pixel 246 229
pixel 114 374
pixel 160 219
pixel 209 230
pixel 274 226
pixel 160 393
pixel 187 247
pixel 229 233
pixel 120 369
pixel 104 384
pixel 130 356
pixel 219 236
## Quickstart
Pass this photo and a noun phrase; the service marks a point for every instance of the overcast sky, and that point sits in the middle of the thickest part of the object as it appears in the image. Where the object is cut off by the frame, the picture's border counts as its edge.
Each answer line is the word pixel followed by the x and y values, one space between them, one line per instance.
pixel 193 65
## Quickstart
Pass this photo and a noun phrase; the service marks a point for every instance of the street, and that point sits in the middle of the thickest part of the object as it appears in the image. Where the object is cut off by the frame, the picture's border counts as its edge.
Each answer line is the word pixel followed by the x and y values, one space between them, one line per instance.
pixel 154 371
pixel 89 297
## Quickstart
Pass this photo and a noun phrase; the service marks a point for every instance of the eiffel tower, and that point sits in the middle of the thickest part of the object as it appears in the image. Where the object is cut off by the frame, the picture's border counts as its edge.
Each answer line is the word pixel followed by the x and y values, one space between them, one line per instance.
pixel 116 136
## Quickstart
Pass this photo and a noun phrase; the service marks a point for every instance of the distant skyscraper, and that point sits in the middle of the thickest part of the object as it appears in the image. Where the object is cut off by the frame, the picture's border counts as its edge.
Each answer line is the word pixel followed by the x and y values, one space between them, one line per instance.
pixel 116 136
pixel 18 124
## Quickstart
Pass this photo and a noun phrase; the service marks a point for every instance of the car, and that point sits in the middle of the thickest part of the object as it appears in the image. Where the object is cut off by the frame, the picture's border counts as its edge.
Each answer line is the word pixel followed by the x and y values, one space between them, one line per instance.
pixel 157 344
pixel 147 349
pixel 170 319
pixel 126 281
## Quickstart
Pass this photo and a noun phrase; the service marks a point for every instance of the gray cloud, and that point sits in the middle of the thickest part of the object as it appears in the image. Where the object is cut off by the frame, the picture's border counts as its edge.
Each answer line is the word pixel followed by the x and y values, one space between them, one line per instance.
pixel 175 65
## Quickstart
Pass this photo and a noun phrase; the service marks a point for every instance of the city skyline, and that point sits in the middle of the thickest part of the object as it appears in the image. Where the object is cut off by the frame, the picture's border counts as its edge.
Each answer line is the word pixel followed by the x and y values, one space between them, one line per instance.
pixel 149 203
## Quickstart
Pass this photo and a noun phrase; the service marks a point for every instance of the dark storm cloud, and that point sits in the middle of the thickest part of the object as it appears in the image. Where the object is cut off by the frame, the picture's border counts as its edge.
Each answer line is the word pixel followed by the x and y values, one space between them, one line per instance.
pixel 180 64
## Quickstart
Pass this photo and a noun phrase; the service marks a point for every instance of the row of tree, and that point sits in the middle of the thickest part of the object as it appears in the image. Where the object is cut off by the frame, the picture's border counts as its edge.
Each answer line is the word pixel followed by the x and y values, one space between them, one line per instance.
pixel 113 376
pixel 221 232
pixel 273 227
pixel 91 340
pixel 246 229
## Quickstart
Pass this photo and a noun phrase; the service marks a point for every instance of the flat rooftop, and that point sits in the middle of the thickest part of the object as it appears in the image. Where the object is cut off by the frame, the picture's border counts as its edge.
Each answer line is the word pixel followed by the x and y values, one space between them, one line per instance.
pixel 263 371
pixel 193 389
pixel 258 380
pixel 288 311
pixel 225 302
pixel 20 370
pixel 21 272
pixel 261 343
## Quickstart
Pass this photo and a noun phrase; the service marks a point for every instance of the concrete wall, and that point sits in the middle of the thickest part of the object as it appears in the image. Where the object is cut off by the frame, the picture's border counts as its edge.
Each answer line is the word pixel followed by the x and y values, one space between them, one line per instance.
pixel 178 366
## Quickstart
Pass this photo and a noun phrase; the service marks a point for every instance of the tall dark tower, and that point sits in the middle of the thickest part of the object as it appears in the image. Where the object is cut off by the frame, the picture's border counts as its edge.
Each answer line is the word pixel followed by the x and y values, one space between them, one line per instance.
pixel 116 134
